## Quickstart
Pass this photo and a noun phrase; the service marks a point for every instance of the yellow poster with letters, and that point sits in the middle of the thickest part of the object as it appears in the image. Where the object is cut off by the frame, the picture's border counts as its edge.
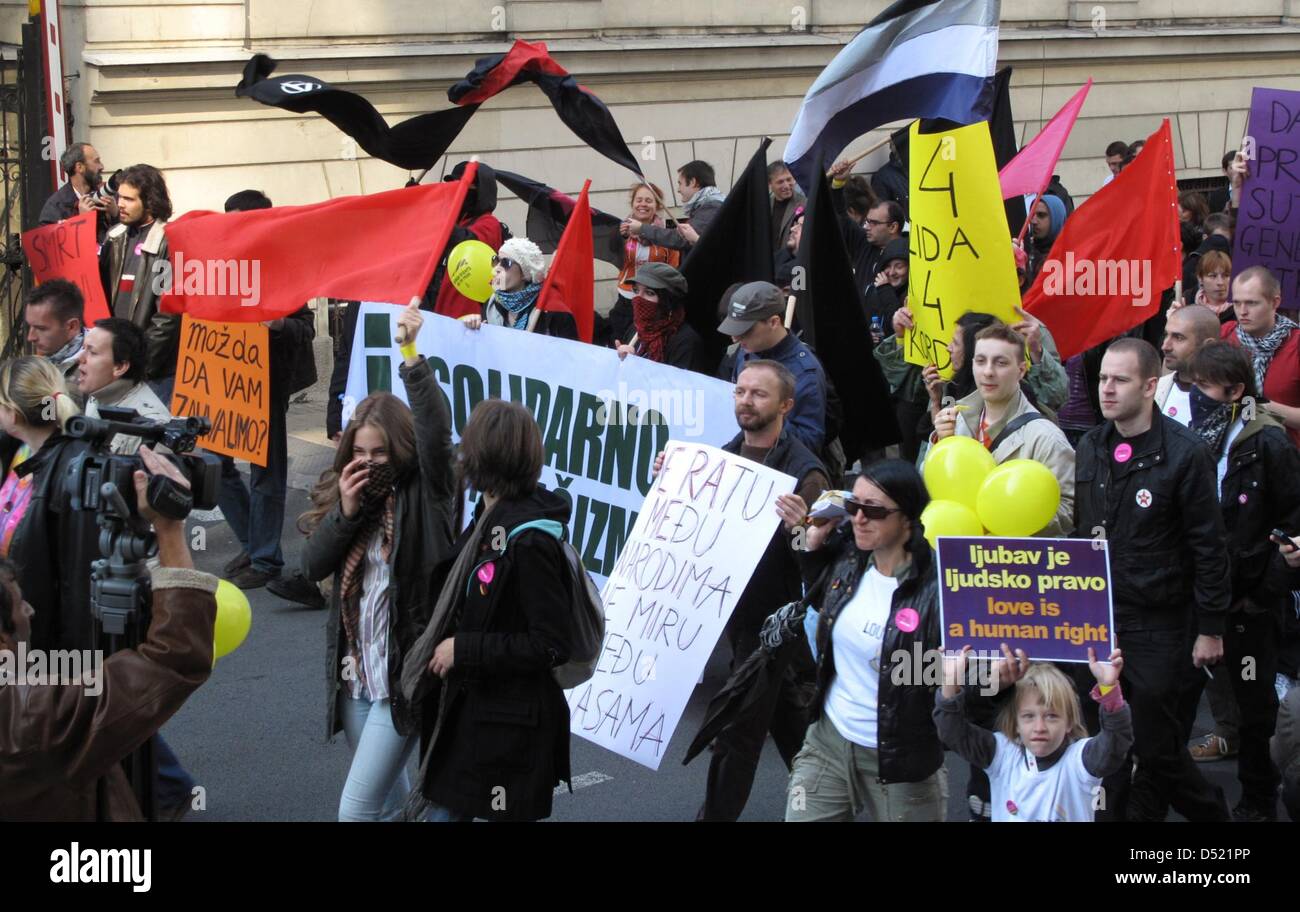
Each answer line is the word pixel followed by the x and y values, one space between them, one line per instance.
pixel 960 247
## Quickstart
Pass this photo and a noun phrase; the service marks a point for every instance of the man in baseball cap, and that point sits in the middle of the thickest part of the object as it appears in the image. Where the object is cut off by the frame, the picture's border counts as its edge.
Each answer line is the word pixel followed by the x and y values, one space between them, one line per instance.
pixel 755 321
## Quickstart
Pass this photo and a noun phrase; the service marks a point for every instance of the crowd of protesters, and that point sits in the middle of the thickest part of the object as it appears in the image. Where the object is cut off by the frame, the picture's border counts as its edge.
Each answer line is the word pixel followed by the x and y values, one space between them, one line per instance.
pixel 1178 439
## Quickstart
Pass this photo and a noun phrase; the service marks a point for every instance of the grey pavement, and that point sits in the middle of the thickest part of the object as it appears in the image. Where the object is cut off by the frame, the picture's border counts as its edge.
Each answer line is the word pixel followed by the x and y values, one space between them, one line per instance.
pixel 253 735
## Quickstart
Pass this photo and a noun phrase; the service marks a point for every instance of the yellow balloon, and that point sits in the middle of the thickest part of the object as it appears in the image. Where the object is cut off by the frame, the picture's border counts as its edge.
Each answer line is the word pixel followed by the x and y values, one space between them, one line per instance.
pixel 1018 498
pixel 470 267
pixel 955 468
pixel 947 517
pixel 234 619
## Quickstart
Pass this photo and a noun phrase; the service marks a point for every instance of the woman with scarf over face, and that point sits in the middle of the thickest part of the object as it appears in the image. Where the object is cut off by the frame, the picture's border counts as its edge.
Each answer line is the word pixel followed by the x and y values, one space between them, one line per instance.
pixel 380 519
pixel 659 318
pixel 647 202
pixel 518 271
pixel 1259 490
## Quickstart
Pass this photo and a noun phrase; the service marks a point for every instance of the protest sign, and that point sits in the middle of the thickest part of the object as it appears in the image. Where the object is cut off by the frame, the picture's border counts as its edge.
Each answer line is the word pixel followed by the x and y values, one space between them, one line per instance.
pixel 68 250
pixel 1268 220
pixel 221 375
pixel 960 245
pixel 603 419
pixel 701 532
pixel 1050 597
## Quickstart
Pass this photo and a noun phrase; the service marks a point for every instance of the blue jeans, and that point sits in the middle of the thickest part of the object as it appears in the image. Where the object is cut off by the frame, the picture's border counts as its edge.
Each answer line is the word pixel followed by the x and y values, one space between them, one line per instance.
pixel 258 519
pixel 173 786
pixel 377 785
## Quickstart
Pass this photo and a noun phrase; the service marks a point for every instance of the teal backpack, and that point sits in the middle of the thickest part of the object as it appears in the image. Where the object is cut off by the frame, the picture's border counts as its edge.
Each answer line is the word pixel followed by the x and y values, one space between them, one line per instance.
pixel 587 613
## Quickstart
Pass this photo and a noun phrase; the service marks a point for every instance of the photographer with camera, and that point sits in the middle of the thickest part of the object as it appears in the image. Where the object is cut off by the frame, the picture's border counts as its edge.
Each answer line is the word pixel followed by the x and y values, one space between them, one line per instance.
pixel 111 372
pixel 84 191
pixel 61 746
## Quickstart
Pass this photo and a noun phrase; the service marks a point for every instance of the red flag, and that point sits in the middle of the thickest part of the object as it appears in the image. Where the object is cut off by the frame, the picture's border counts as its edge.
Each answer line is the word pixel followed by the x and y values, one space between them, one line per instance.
pixel 260 265
pixel 1031 170
pixel 68 250
pixel 571 281
pixel 1115 256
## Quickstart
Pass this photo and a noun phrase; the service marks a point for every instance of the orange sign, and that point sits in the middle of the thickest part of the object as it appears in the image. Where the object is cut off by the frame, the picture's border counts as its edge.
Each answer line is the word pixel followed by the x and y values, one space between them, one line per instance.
pixel 222 375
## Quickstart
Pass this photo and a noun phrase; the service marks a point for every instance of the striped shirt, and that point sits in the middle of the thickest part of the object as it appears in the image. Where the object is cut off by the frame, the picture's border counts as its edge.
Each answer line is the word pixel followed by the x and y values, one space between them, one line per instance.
pixel 372 625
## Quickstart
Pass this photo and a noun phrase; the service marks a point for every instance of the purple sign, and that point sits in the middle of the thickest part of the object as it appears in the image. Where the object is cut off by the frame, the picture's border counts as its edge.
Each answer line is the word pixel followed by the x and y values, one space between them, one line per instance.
pixel 1047 596
pixel 1268 221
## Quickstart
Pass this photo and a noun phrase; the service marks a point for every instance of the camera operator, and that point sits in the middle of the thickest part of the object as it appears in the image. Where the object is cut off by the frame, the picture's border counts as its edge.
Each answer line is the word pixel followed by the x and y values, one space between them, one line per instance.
pixel 59 744
pixel 111 372
pixel 84 191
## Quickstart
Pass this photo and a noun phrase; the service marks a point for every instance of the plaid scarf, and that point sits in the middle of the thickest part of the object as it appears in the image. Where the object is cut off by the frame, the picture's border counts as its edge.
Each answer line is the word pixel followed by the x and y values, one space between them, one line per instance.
pixel 653 328
pixel 1263 349
pixel 377 501
pixel 1211 420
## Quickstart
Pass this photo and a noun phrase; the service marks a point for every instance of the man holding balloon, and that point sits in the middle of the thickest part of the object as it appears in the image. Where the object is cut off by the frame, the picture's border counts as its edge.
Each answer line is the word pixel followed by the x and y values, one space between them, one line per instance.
pixel 1008 468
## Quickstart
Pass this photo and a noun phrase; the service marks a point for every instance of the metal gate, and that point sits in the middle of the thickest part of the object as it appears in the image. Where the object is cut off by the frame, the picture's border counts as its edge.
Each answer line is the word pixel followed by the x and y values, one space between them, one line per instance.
pixel 24 175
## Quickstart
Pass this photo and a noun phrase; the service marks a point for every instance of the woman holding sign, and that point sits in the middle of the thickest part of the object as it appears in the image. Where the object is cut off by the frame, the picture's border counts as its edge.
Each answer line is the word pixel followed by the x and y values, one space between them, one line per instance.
pixel 872 743
pixel 380 519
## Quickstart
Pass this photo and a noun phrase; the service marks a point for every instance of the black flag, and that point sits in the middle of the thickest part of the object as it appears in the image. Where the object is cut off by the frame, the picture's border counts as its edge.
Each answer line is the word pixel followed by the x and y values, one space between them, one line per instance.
pixel 549 211
pixel 833 323
pixel 413 144
pixel 1003 130
pixel 581 111
pixel 736 248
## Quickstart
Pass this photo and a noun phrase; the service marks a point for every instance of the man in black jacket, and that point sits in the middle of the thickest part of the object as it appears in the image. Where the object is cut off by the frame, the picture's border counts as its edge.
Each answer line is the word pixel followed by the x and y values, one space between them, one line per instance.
pixel 764 396
pixel 257 515
pixel 1146 485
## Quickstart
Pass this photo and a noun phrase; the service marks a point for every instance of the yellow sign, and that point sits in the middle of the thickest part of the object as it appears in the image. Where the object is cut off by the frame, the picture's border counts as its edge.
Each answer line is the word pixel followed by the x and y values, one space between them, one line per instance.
pixel 961 259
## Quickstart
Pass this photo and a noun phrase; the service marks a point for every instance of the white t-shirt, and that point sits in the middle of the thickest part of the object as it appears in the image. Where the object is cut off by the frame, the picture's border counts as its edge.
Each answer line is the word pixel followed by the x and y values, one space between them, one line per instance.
pixel 1179 405
pixel 1022 793
pixel 856 640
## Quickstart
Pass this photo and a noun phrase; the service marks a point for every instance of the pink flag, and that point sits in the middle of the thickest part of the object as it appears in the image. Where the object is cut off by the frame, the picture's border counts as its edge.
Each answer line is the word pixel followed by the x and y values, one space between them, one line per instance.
pixel 1031 170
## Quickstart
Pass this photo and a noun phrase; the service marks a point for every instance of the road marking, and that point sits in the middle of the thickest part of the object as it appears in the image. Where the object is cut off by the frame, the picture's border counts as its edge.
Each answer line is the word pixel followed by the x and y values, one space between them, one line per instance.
pixel 595 777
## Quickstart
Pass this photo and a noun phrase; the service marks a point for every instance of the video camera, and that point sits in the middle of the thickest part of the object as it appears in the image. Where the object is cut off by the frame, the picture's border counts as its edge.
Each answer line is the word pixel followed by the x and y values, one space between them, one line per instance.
pixel 107 189
pixel 101 466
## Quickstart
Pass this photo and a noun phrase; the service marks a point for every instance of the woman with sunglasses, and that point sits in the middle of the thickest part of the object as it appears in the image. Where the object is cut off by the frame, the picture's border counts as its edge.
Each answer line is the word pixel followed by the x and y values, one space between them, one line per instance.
pixel 518 270
pixel 872 743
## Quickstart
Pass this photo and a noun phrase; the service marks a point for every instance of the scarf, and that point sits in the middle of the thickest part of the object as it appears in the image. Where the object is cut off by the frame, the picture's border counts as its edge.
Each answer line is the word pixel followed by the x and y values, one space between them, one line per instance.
pixel 653 328
pixel 519 303
pixel 1211 420
pixel 702 196
pixel 1263 350
pixel 376 514
pixel 70 350
pixel 417 682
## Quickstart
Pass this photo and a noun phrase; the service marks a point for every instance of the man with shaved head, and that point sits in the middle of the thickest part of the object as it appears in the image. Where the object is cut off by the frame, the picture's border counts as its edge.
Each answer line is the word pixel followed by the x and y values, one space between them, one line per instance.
pixel 1186 330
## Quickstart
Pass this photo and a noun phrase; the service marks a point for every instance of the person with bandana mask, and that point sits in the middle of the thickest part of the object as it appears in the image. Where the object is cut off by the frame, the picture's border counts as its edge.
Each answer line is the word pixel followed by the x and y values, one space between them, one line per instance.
pixel 1259 490
pixel 380 518
pixel 659 315
pixel 518 271
pixel 1273 340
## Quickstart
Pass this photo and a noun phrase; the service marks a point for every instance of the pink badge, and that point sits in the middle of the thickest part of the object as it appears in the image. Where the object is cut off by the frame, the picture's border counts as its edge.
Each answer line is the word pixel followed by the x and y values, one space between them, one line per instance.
pixel 139 248
pixel 486 572
pixel 1241 498
pixel 1173 410
pixel 1123 453
pixel 1011 807
pixel 907 620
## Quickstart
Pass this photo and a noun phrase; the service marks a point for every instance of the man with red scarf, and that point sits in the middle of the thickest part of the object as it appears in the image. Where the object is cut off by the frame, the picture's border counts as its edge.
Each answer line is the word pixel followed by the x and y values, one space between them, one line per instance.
pixel 659 317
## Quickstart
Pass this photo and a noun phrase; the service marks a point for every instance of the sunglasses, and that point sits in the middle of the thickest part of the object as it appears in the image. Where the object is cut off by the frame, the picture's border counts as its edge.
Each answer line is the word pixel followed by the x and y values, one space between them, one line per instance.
pixel 503 262
pixel 870 511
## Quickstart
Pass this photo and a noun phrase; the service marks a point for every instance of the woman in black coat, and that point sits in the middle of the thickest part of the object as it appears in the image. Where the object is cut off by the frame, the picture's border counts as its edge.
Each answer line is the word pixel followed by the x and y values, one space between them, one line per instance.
pixel 500 741
pixel 872 742
pixel 659 315
pixel 380 521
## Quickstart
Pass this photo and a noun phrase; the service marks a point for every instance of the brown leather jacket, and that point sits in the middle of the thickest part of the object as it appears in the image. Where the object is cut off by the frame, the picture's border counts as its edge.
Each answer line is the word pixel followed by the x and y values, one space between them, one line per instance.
pixel 57 741
pixel 161 331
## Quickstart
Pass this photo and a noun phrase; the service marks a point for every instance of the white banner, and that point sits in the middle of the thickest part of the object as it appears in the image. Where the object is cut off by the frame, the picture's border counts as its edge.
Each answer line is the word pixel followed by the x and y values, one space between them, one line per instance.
pixel 700 533
pixel 603 420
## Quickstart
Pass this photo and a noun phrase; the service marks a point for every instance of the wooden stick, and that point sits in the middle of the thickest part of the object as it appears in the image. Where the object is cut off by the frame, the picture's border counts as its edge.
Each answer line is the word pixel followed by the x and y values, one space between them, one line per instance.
pixel 789 311
pixel 857 158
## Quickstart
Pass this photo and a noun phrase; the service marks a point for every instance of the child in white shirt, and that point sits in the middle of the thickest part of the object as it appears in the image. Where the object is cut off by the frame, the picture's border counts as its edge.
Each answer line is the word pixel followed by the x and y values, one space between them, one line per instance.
pixel 1042 766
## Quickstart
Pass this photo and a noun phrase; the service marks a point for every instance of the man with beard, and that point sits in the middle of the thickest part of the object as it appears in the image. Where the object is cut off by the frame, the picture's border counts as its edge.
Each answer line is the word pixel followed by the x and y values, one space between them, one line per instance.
pixel 80 161
pixel 764 395
pixel 1187 329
